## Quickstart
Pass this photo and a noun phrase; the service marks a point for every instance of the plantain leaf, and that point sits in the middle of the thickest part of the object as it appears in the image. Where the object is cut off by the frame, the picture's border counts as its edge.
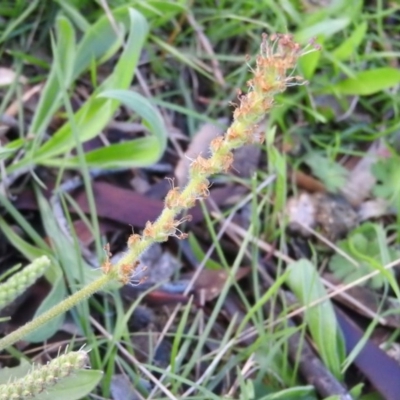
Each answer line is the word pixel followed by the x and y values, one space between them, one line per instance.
pixel 325 29
pixel 73 387
pixel 304 281
pixel 51 97
pixel 97 111
pixel 347 48
pixel 368 82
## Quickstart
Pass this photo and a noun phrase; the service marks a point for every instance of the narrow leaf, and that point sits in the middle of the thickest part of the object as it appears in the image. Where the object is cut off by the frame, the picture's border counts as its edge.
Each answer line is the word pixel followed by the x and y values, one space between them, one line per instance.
pixel 325 28
pixel 368 82
pixel 350 45
pixel 304 281
pixel 97 112
pixel 132 154
pixel 50 100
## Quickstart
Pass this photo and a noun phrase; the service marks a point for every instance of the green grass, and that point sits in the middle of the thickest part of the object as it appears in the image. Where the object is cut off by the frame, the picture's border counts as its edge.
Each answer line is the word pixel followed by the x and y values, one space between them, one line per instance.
pixel 238 344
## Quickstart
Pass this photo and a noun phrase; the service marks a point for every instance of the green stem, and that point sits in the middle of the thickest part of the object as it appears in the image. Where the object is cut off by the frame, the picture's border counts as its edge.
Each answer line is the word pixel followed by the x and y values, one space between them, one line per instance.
pixel 57 310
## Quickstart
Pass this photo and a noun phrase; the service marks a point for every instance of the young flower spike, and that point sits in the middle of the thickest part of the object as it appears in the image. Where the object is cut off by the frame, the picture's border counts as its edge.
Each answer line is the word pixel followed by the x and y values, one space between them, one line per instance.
pixel 42 377
pixel 273 74
pixel 17 284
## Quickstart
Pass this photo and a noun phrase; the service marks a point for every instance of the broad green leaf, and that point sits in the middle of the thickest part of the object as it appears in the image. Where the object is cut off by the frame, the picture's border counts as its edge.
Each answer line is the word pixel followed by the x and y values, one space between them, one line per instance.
pixel 7 373
pixel 114 47
pixel 332 174
pixel 304 281
pixel 65 49
pixel 50 99
pixel 74 387
pixel 94 44
pixel 90 120
pixel 325 28
pixel 367 246
pixel 28 250
pixel 309 63
pixel 368 82
pixel 101 36
pixel 97 112
pixel 134 153
pixel 98 42
pixel 142 107
pixel 131 154
pixel 75 16
pixel 347 48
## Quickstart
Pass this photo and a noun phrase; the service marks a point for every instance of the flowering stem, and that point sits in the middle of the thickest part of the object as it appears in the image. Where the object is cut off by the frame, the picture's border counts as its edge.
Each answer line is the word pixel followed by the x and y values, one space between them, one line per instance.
pixel 57 310
pixel 272 75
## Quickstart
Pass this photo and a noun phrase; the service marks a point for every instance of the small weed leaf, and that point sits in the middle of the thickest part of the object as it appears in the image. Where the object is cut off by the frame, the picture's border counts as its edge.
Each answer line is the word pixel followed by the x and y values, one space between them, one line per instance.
pixel 365 247
pixel 304 281
pixel 387 173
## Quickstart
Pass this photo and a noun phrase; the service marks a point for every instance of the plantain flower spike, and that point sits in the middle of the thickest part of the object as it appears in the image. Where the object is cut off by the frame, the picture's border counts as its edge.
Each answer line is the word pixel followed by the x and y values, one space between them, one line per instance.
pixel 43 377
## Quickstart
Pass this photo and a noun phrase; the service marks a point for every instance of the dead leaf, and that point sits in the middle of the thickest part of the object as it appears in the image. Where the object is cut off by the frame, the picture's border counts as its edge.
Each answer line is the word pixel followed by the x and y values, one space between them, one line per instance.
pixel 209 283
pixel 122 389
pixel 301 213
pixel 307 182
pixel 246 160
pixel 375 208
pixel 331 214
pixel 8 77
pixel 8 119
pixel 13 108
pixel 360 179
